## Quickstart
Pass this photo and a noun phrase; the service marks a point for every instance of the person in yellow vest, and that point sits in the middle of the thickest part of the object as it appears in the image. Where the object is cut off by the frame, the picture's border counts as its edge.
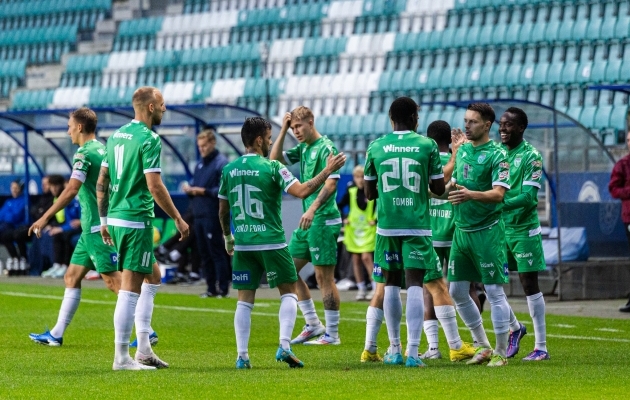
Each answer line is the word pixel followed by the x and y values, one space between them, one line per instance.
pixel 360 231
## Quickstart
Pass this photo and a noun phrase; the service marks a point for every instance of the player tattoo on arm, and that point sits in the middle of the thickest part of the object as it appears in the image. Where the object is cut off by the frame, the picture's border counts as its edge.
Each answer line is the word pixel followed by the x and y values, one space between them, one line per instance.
pixel 224 216
pixel 318 179
pixel 102 191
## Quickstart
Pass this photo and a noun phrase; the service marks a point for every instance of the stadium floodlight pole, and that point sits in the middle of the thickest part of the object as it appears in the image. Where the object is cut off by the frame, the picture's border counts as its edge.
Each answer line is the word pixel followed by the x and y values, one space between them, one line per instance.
pixel 264 56
pixel 556 174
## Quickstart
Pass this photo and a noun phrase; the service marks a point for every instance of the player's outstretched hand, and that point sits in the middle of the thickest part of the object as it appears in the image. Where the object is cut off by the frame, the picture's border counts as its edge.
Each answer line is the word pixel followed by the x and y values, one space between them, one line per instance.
pixel 307 219
pixel 457 139
pixel 183 228
pixel 333 163
pixel 286 121
pixel 37 227
pixel 229 244
pixel 107 239
pixel 460 195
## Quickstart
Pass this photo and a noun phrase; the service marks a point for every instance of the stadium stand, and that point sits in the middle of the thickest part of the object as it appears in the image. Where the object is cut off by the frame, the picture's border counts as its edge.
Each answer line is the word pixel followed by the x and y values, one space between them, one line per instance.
pixel 346 59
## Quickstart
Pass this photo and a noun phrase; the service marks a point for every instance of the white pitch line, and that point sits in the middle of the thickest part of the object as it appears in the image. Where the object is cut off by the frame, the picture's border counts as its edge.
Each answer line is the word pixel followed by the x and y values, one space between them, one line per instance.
pixel 609 330
pixel 275 315
pixel 564 326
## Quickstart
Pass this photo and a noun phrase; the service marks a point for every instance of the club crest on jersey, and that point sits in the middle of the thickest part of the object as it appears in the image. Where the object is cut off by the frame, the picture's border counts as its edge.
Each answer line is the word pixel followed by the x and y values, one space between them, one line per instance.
pixel 517 162
pixel 481 158
pixel 241 277
pixel 313 154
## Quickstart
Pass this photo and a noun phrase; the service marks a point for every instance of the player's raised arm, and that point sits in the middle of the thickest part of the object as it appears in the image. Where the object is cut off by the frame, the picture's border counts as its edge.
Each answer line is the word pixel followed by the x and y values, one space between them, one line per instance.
pixel 278 145
pixel 303 190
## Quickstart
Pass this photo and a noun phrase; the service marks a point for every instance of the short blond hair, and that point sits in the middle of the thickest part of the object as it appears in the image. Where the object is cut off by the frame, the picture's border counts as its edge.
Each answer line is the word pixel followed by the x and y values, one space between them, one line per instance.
pixel 357 169
pixel 208 134
pixel 302 113
pixel 143 96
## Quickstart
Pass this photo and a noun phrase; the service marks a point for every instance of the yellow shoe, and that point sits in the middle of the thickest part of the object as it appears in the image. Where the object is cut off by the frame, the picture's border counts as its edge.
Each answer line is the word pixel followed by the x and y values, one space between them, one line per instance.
pixel 464 353
pixel 366 356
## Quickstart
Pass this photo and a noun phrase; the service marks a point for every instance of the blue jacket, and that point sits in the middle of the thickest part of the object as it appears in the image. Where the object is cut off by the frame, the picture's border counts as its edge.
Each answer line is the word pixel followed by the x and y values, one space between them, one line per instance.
pixel 72 211
pixel 208 175
pixel 12 211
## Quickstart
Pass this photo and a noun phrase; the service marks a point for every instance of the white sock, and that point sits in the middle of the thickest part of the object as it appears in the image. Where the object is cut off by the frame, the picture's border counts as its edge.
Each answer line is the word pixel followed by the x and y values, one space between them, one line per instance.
pixel 69 305
pixel 469 312
pixel 431 331
pixel 144 313
pixel 242 327
pixel 392 310
pixel 448 320
pixel 308 310
pixel 123 324
pixel 287 315
pixel 514 324
pixel 415 319
pixel 332 323
pixel 374 318
pixel 361 286
pixel 500 315
pixel 536 305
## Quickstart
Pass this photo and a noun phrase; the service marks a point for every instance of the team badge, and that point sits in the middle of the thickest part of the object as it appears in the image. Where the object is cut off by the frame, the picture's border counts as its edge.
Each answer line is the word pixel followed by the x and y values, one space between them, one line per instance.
pixel 481 158
pixel 314 154
pixel 517 162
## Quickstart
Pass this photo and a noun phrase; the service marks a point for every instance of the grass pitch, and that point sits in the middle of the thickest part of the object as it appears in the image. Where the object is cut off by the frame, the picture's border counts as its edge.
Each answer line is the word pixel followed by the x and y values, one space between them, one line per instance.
pixel 589 356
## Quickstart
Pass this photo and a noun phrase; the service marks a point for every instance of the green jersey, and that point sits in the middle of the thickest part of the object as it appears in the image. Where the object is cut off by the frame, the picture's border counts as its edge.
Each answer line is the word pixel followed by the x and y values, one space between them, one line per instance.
pixel 312 159
pixel 86 165
pixel 132 151
pixel 403 163
pixel 479 169
pixel 441 212
pixel 253 186
pixel 525 170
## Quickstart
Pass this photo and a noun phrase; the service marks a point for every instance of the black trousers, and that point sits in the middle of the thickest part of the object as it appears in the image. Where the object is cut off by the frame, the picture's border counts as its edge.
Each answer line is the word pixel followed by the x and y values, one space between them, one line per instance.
pixel 215 262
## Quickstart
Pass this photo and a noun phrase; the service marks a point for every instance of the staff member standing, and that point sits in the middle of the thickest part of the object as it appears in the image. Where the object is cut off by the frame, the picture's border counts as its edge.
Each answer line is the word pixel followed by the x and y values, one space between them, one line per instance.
pixel 203 190
pixel 619 188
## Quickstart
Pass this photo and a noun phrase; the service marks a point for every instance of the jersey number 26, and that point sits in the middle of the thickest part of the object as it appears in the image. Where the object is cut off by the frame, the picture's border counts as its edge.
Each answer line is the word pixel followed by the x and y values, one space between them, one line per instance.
pixel 410 179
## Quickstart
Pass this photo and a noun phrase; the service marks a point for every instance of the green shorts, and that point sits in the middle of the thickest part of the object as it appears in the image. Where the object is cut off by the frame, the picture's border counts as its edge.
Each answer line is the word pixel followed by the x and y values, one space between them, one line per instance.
pixel 525 254
pixel 317 244
pixel 443 253
pixel 92 253
pixel 395 253
pixel 248 267
pixel 135 248
pixel 479 256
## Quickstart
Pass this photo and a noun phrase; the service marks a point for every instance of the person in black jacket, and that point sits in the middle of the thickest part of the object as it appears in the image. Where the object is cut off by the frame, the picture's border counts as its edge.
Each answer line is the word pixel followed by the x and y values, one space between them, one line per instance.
pixel 203 190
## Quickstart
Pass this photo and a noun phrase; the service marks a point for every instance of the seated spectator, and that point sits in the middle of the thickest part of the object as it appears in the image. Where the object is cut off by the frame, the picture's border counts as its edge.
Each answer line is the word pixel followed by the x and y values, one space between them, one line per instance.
pixel 63 230
pixel 182 253
pixel 43 202
pixel 12 217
